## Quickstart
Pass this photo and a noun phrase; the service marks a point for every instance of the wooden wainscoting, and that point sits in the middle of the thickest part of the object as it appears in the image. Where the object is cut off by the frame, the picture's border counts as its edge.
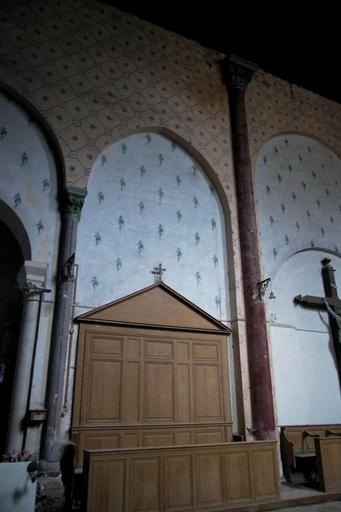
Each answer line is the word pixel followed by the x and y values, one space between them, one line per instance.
pixel 158 435
pixel 131 383
pixel 204 477
pixel 328 454
pixel 139 376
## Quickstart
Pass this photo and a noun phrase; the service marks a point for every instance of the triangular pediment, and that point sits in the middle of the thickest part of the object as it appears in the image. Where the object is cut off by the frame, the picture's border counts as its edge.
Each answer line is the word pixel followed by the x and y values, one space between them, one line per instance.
pixel 155 306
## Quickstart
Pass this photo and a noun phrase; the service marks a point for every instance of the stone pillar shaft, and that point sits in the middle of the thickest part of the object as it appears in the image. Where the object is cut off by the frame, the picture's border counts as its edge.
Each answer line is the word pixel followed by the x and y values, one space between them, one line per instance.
pixel 33 276
pixel 238 74
pixel 61 327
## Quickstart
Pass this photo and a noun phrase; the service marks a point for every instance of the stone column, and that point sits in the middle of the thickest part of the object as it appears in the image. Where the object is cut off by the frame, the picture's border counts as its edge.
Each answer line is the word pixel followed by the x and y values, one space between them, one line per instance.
pixel 31 279
pixel 237 73
pixel 74 199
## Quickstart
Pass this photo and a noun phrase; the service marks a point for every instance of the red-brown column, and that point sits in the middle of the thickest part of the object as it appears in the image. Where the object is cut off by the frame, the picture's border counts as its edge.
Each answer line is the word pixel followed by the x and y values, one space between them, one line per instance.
pixel 237 73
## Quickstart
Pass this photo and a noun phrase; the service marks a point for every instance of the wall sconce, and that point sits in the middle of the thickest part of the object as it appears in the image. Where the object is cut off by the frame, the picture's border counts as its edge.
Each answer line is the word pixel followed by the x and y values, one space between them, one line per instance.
pixel 262 287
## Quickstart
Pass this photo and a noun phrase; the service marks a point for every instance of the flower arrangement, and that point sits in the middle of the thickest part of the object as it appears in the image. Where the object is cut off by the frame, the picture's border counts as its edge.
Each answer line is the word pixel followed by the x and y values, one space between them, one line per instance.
pixel 18 456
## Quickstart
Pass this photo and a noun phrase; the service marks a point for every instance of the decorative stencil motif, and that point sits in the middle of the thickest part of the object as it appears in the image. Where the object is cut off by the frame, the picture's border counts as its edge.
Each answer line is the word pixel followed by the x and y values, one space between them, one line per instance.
pixel 97 74
pixel 28 181
pixel 167 214
pixel 298 187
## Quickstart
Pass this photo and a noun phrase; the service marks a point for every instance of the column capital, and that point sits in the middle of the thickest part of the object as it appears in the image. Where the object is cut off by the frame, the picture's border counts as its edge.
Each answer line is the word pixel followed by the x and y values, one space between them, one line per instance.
pixel 237 72
pixel 74 200
pixel 32 277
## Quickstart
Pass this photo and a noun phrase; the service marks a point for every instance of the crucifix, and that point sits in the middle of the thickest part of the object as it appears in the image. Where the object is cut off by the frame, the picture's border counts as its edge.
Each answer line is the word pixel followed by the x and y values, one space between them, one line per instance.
pixel 158 271
pixel 331 303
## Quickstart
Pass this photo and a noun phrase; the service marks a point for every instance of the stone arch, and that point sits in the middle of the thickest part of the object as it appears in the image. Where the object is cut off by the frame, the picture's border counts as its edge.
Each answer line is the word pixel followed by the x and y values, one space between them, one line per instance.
pixel 307 134
pixel 297 182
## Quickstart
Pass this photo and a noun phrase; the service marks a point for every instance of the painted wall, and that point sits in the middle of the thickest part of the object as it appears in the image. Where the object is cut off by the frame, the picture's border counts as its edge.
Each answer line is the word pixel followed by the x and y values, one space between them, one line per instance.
pixel 150 202
pixel 298 185
pixel 307 387
pixel 28 179
pixel 28 185
pixel 299 211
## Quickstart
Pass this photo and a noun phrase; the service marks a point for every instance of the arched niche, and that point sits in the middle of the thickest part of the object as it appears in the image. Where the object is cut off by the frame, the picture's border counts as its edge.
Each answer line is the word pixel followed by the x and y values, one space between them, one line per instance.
pixel 30 182
pixel 305 377
pixel 298 184
pixel 150 201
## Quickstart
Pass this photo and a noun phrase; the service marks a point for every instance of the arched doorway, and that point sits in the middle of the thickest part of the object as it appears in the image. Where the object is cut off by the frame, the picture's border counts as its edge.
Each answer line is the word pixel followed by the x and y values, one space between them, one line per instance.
pixel 11 260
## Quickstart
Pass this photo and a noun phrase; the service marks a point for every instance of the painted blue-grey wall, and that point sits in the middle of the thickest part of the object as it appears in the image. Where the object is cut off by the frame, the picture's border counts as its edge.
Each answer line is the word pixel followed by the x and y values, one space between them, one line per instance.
pixel 28 186
pixel 149 202
pixel 28 179
pixel 298 183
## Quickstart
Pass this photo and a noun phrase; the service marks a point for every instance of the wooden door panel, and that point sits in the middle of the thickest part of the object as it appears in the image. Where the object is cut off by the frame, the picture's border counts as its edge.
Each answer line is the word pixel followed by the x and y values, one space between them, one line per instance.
pixel 159 392
pixel 207 392
pixel 104 391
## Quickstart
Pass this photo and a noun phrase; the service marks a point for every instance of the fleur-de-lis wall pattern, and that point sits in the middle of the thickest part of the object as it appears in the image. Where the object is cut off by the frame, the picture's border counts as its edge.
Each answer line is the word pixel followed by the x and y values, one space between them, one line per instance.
pixel 156 205
pixel 28 181
pixel 298 202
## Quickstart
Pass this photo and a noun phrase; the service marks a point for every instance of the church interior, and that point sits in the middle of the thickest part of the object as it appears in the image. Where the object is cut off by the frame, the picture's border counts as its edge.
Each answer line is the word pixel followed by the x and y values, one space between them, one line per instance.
pixel 170 219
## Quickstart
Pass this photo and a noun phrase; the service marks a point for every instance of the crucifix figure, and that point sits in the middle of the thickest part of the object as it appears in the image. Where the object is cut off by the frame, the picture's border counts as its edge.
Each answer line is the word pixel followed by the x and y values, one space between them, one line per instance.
pixel 331 303
pixel 158 271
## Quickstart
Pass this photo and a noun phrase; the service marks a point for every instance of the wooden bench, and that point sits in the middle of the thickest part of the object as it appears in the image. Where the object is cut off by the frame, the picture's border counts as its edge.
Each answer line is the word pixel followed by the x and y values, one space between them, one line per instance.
pixel 206 477
pixel 298 451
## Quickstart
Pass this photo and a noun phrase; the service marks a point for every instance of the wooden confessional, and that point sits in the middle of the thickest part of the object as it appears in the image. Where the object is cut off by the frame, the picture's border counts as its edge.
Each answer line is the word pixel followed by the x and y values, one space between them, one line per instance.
pixel 152 377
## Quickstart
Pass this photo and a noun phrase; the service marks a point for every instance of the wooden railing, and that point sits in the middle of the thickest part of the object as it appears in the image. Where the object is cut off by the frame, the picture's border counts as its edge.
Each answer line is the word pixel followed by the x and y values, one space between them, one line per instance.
pixel 206 477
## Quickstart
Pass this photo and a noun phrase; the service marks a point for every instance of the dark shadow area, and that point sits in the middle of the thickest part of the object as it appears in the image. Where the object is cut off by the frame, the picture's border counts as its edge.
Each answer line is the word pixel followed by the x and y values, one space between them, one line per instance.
pixel 11 260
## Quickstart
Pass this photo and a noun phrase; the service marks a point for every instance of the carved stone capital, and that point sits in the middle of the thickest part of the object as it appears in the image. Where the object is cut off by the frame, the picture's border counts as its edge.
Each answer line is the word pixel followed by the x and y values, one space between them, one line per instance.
pixel 31 278
pixel 74 200
pixel 237 73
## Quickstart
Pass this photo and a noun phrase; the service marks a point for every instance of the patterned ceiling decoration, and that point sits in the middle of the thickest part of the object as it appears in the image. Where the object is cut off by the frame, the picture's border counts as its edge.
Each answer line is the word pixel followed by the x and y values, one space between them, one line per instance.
pixel 274 106
pixel 97 74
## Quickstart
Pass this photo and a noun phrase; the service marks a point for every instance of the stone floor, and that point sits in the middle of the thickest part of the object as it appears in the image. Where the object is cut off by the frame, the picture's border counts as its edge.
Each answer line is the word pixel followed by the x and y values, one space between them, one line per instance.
pixel 50 498
pixel 331 506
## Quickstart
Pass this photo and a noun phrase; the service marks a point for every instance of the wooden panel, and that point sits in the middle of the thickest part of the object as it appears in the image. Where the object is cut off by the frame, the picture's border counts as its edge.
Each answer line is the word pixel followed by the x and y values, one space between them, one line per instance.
pixel 108 486
pixel 102 441
pixel 132 348
pixel 182 351
pixel 328 453
pixel 130 395
pixel 209 436
pixel 136 377
pixel 163 435
pixel 207 392
pixel 156 305
pixel 183 437
pixel 158 439
pixel 159 392
pixel 210 488
pixel 218 478
pixel 264 483
pixel 238 481
pixel 104 382
pixel 209 352
pixel 183 393
pixel 179 475
pixel 106 346
pixel 144 485
pixel 159 350
pixel 129 439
